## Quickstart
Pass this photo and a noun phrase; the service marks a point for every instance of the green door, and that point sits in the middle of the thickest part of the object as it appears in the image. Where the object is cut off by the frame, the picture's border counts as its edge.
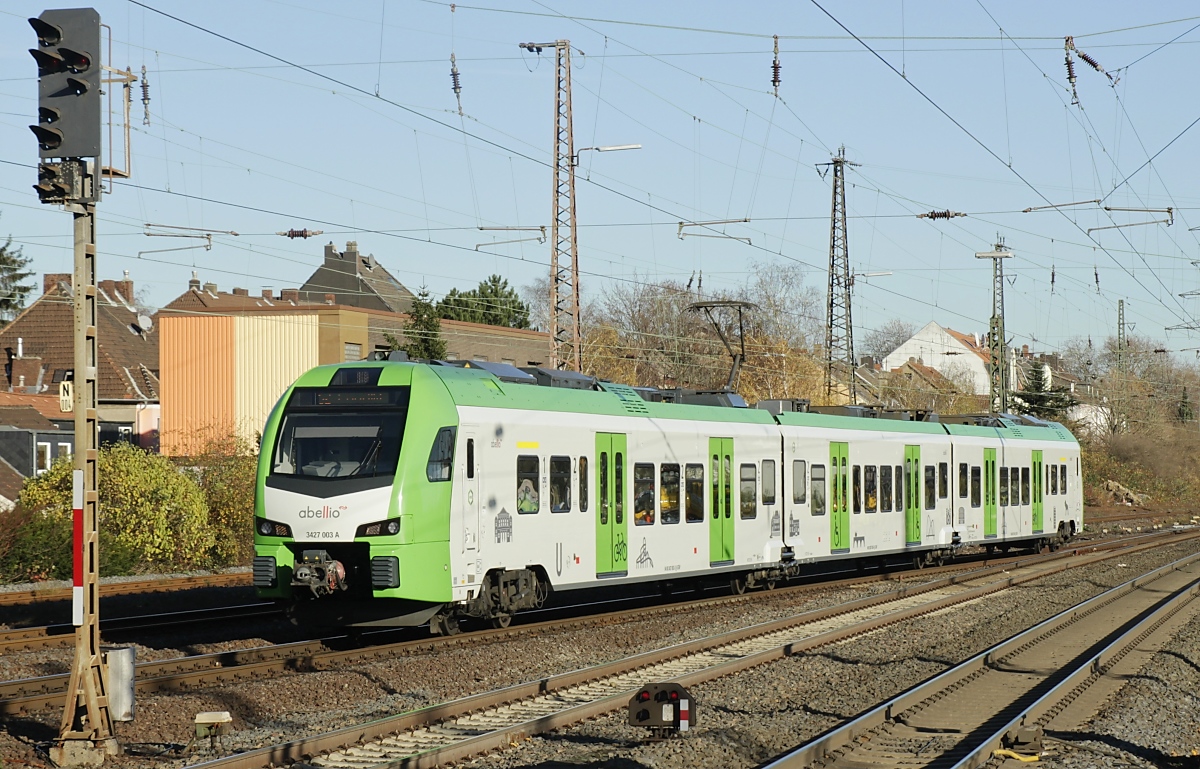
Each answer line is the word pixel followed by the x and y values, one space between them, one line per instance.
pixel 612 535
pixel 989 493
pixel 839 508
pixel 720 525
pixel 912 495
pixel 1037 492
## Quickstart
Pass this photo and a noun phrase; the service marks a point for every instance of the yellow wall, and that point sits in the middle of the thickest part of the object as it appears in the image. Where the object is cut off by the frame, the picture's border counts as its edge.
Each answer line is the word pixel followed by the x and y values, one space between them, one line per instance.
pixel 270 352
pixel 196 359
pixel 339 326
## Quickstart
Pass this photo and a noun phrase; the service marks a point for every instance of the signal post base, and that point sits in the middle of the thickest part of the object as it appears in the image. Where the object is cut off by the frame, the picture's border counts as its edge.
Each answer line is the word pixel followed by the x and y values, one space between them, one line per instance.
pixel 83 752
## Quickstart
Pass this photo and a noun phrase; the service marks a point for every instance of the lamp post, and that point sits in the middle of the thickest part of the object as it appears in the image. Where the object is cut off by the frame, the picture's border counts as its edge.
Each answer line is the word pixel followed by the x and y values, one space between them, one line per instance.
pixel 606 148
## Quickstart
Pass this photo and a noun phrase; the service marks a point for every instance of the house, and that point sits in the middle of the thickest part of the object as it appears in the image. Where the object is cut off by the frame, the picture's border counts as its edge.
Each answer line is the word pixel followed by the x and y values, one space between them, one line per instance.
pixel 39 355
pixel 227 356
pixel 961 358
pixel 29 444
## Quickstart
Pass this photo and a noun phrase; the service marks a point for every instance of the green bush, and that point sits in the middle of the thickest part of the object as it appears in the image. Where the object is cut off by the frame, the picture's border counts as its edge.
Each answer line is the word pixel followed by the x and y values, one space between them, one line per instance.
pixel 152 517
pixel 226 473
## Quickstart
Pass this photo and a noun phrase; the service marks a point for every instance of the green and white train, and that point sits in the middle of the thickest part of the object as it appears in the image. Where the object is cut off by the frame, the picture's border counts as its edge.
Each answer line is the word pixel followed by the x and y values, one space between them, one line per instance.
pixel 395 493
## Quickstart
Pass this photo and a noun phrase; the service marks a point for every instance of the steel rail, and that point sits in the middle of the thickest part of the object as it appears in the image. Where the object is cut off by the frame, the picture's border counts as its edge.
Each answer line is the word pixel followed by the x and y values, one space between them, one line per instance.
pixel 161 585
pixel 830 743
pixel 552 702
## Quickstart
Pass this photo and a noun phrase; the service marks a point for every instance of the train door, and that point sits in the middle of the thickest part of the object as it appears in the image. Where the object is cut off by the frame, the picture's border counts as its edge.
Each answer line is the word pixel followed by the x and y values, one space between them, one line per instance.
pixel 989 493
pixel 912 495
pixel 839 498
pixel 1036 480
pixel 612 539
pixel 720 525
pixel 469 478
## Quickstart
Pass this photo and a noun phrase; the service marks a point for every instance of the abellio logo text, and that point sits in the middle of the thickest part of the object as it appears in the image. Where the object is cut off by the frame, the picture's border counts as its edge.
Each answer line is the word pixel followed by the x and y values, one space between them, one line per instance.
pixel 322 512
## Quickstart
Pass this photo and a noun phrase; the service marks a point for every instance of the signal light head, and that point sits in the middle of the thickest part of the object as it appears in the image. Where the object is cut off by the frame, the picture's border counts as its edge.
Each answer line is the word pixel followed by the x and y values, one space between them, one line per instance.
pixel 76 61
pixel 48 63
pixel 48 138
pixel 48 34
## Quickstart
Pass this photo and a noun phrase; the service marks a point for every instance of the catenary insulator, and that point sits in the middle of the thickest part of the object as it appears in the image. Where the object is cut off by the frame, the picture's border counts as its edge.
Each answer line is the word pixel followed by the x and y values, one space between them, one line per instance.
pixel 145 98
pixel 455 80
pixel 1095 64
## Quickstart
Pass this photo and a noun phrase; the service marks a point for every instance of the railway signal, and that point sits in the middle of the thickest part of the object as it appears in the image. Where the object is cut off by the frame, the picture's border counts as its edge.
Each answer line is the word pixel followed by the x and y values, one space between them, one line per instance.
pixel 665 708
pixel 68 60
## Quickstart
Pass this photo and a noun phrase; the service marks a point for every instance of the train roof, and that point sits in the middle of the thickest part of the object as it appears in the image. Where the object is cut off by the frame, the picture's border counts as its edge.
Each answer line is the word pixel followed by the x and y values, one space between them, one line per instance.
pixel 474 386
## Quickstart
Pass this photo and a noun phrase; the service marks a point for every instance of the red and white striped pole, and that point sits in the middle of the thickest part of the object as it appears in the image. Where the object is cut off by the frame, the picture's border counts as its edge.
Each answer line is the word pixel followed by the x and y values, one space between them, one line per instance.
pixel 77 520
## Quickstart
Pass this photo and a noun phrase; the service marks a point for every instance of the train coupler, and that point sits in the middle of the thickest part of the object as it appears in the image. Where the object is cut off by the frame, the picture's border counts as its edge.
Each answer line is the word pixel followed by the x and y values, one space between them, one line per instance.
pixel 319 573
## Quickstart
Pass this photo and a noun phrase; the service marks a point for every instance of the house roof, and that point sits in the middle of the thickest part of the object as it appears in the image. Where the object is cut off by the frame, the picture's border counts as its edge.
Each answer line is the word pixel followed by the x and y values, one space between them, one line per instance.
pixel 44 335
pixel 928 374
pixel 46 404
pixel 11 481
pixel 968 341
pixel 24 418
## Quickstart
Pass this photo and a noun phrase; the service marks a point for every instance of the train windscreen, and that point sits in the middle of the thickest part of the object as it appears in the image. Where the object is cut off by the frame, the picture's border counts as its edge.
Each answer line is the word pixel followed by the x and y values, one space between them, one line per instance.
pixel 342 433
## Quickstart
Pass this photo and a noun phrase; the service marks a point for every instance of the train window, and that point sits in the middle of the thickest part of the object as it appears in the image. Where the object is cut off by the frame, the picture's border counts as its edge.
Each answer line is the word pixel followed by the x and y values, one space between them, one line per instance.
pixel 856 487
pixel 962 480
pixel 1003 487
pixel 441 455
pixel 1062 478
pixel 527 484
pixel 583 484
pixel 768 482
pixel 1014 485
pixel 885 488
pixel 943 480
pixel 716 487
pixel 843 480
pixel 976 496
pixel 728 467
pixel 930 487
pixel 899 489
pixel 603 478
pixel 748 476
pixel 470 457
pixel 870 488
pixel 1053 479
pixel 668 494
pixel 1024 485
pixel 694 493
pixel 643 494
pixel 560 484
pixel 818 489
pixel 799 481
pixel 618 488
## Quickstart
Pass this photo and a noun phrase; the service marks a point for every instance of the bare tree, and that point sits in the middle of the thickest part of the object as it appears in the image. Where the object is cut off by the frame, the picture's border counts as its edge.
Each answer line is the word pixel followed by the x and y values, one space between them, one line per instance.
pixel 882 341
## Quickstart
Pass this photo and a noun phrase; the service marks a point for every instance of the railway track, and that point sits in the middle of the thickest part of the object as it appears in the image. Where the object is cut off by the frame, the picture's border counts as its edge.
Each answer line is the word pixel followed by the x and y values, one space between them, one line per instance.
pixel 172 584
pixel 457 730
pixel 995 705
pixel 224 668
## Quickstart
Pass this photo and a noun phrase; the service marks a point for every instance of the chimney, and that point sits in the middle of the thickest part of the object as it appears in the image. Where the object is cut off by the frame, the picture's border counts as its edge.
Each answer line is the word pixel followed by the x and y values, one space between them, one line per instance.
pixel 210 288
pixel 1025 351
pixel 241 292
pixel 51 280
pixel 126 288
pixel 266 294
pixel 109 287
pixel 26 373
pixel 194 283
pixel 290 295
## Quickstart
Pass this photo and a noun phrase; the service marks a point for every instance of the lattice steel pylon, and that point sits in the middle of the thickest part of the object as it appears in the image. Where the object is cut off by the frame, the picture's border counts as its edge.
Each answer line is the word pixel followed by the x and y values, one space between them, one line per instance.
pixel 566 341
pixel 997 349
pixel 839 328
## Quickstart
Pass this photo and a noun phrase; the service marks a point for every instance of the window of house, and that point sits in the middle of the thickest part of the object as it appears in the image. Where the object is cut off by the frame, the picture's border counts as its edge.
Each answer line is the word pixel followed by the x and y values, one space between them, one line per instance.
pixel 583 484
pixel 976 494
pixel 694 493
pixel 748 487
pixel 856 487
pixel 870 488
pixel 668 495
pixel 527 484
pixel 943 480
pixel 768 481
pixel 885 488
pixel 64 451
pixel 560 484
pixel 930 487
pixel 818 489
pixel 799 481
pixel 1003 487
pixel 1024 485
pixel 643 494
pixel 962 480
pixel 352 351
pixel 41 458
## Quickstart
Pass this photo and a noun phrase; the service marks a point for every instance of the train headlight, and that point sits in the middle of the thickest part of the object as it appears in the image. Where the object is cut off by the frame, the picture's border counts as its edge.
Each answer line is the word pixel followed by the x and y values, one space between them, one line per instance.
pixel 272 528
pixel 389 528
pixel 265 528
pixel 393 526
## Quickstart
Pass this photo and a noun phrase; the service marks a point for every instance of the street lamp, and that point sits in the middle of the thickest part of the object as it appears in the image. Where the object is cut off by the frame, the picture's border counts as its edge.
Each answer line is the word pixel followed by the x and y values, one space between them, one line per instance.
pixel 607 148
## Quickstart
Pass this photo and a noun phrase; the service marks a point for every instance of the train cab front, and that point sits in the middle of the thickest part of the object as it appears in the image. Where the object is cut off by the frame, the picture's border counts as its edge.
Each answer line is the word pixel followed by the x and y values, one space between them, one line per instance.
pixel 333 538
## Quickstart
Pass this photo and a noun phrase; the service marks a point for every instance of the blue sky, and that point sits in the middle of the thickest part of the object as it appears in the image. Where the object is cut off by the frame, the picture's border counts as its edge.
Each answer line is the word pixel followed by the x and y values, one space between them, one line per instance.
pixel 364 141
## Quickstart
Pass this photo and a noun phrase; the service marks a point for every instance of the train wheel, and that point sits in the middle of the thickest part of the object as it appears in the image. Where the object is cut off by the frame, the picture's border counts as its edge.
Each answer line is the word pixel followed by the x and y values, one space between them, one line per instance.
pixel 771 583
pixel 939 559
pixel 919 561
pixel 447 624
pixel 738 584
pixel 501 621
